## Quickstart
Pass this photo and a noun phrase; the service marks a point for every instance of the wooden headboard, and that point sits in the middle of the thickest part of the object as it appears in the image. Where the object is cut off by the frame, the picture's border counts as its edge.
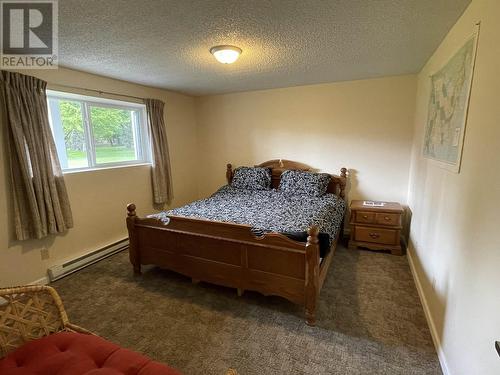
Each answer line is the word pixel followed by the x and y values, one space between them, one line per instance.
pixel 337 184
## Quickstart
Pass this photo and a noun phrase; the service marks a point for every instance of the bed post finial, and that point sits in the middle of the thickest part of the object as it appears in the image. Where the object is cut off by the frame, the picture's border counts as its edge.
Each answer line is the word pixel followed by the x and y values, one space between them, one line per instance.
pixel 312 274
pixel 343 172
pixel 133 251
pixel 343 182
pixel 312 233
pixel 229 173
pixel 131 209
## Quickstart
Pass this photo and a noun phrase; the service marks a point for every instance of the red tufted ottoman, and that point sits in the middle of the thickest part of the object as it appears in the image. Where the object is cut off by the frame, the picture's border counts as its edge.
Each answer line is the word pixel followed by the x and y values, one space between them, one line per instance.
pixel 70 353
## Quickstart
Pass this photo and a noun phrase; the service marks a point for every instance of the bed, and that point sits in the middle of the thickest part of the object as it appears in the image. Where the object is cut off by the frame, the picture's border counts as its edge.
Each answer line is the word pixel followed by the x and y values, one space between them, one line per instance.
pixel 248 240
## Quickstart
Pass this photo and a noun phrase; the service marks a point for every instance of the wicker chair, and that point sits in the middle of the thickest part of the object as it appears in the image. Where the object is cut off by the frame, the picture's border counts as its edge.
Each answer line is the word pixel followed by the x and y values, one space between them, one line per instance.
pixel 32 312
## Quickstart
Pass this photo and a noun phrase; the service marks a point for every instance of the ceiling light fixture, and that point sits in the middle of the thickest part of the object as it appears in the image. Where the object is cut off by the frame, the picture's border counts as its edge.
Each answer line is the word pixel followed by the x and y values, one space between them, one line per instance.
pixel 226 54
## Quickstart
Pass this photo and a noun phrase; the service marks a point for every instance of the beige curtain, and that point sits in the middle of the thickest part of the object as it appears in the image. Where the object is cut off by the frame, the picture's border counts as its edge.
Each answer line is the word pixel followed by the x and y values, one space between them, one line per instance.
pixel 40 201
pixel 161 173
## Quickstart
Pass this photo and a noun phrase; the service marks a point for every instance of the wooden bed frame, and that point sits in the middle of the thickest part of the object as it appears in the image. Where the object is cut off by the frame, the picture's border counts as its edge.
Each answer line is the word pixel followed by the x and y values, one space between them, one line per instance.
pixel 230 255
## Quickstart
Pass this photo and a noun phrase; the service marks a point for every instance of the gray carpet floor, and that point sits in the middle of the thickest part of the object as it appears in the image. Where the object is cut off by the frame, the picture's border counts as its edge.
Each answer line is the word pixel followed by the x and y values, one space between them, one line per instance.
pixel 370 320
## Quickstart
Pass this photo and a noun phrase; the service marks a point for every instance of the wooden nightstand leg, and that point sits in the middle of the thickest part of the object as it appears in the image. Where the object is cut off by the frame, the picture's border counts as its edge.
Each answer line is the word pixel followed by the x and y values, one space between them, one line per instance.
pixel 397 251
pixel 351 245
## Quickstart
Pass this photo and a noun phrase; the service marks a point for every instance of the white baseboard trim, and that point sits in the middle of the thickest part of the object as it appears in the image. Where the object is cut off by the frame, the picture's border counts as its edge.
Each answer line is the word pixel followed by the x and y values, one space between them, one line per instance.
pixel 428 315
pixel 69 266
pixel 45 280
pixel 41 281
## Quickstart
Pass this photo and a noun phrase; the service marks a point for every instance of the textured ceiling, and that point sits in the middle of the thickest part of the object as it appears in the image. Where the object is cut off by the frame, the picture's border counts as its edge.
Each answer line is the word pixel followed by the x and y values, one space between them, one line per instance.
pixel 285 43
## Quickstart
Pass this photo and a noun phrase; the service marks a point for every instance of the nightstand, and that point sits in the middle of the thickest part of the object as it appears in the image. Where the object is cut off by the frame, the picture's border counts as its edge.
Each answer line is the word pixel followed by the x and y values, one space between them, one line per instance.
pixel 376 228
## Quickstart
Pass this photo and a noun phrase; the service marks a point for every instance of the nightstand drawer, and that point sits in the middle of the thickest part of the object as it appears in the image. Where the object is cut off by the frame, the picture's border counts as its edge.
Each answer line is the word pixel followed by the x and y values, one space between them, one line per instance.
pixel 387 219
pixel 364 217
pixel 376 235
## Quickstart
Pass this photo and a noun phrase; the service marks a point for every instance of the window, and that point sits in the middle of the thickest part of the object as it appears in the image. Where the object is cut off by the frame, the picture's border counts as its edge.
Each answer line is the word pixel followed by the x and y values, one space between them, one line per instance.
pixel 93 132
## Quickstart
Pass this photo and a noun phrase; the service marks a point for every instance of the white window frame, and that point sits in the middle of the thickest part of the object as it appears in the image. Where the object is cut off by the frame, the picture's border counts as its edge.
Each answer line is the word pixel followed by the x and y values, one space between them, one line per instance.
pixel 142 145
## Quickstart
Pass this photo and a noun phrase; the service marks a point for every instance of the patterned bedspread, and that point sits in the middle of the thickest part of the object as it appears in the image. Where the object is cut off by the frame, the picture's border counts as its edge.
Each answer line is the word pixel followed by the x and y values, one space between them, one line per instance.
pixel 268 211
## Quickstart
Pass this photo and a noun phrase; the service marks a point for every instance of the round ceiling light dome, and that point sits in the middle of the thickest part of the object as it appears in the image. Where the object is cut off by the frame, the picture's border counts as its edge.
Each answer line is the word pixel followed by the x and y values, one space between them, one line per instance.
pixel 226 54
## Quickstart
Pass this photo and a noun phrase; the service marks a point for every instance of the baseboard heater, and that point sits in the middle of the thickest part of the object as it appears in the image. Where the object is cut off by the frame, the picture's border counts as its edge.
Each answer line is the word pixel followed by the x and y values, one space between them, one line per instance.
pixel 59 271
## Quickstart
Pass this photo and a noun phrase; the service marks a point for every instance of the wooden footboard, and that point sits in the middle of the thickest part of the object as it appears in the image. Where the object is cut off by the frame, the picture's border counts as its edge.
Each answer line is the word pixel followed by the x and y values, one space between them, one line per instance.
pixel 230 255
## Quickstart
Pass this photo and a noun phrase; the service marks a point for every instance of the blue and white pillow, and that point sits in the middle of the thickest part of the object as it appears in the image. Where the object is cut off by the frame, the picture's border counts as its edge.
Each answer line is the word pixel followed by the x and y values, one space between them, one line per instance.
pixel 304 183
pixel 249 178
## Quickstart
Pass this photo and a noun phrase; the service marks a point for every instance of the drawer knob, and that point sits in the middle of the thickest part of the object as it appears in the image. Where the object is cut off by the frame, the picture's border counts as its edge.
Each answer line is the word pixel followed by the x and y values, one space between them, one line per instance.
pixel 374 235
pixel 387 218
pixel 365 216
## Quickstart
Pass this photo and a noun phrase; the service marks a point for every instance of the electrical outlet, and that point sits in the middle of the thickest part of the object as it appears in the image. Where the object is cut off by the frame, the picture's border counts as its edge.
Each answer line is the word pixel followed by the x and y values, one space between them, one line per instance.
pixel 44 252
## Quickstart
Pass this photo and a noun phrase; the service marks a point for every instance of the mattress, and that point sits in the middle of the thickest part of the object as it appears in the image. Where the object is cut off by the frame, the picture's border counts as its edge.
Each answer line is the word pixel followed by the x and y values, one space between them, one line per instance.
pixel 269 211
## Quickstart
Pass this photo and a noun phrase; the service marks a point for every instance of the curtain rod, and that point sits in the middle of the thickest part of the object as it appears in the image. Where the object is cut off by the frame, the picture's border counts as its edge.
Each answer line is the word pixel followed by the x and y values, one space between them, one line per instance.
pixel 98 91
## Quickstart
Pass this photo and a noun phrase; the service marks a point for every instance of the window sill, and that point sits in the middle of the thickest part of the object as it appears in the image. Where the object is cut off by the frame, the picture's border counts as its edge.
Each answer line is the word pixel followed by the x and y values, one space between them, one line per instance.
pixel 74 171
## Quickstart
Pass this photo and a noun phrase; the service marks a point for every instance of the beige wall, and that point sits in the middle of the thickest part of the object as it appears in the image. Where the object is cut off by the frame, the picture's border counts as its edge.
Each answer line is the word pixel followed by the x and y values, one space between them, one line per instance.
pixel 454 234
pixel 99 197
pixel 365 126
